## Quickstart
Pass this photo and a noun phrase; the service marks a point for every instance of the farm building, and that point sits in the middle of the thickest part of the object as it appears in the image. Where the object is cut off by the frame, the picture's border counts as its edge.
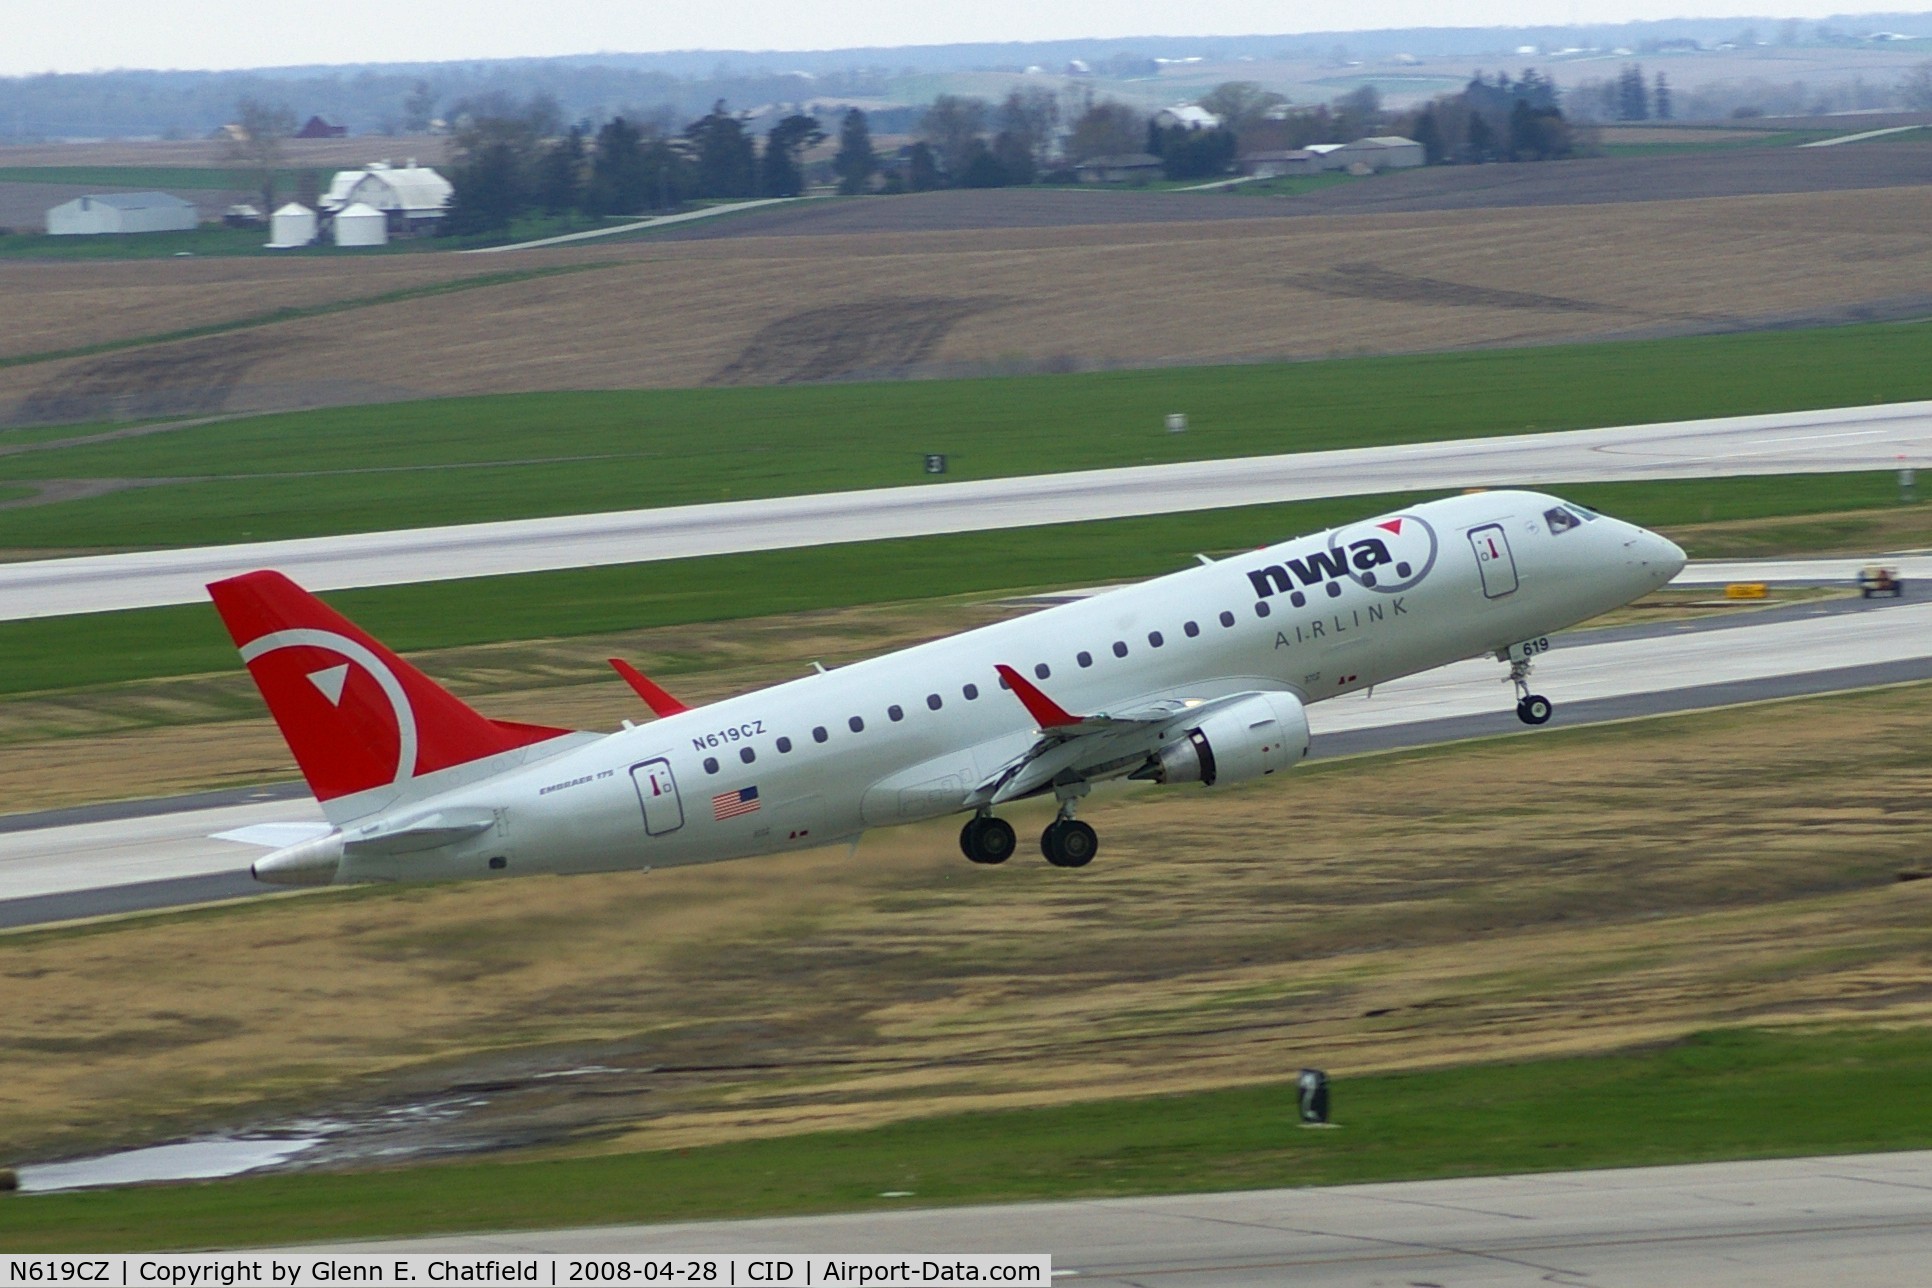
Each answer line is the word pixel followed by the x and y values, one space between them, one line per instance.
pixel 121 212
pixel 293 225
pixel 1276 162
pixel 1119 169
pixel 1383 152
pixel 317 128
pixel 1188 116
pixel 361 225
pixel 412 197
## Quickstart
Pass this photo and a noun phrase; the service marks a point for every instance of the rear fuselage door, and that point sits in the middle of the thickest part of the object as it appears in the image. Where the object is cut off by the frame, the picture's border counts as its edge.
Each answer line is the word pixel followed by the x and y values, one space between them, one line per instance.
pixel 1494 560
pixel 657 792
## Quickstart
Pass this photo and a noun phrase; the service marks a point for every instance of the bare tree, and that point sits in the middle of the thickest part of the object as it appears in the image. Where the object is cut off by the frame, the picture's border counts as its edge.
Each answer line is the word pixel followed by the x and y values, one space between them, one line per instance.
pixel 1027 119
pixel 260 131
pixel 952 125
pixel 1108 128
pixel 1241 104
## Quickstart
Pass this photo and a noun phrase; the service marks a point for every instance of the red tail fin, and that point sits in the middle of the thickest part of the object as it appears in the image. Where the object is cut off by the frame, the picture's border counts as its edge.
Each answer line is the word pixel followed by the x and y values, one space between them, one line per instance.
pixel 355 715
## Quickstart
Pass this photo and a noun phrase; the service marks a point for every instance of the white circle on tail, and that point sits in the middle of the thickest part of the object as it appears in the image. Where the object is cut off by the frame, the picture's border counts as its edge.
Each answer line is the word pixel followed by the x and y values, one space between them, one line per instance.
pixel 366 659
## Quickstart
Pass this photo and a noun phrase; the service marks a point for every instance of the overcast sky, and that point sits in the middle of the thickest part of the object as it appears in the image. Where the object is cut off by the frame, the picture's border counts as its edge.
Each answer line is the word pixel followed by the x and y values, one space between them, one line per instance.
pixel 49 35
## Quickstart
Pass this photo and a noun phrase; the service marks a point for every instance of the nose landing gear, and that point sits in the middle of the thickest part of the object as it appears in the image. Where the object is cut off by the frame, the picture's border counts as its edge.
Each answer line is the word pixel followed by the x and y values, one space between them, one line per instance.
pixel 1531 708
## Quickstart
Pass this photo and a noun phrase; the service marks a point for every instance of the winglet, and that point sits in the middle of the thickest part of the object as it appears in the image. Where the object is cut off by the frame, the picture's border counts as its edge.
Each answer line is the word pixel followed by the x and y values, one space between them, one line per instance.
pixel 660 702
pixel 1049 714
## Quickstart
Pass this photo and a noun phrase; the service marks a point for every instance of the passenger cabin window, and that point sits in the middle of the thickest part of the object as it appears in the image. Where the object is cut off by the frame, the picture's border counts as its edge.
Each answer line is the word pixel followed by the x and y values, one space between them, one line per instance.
pixel 1261 609
pixel 856 724
pixel 1084 658
pixel 1042 670
pixel 1120 648
pixel 747 755
pixel 971 691
pixel 1154 639
pixel 933 701
pixel 895 712
pixel 819 734
pixel 784 745
pixel 1227 619
pixel 710 764
pixel 1191 629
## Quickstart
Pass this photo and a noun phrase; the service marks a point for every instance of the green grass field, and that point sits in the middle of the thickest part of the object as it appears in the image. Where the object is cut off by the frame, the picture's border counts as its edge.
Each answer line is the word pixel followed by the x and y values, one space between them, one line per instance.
pixel 105 648
pixel 1725 1095
pixel 464 460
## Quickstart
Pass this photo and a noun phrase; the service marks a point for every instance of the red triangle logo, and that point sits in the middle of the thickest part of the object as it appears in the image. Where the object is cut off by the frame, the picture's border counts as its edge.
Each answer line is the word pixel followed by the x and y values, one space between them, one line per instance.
pixel 1391 525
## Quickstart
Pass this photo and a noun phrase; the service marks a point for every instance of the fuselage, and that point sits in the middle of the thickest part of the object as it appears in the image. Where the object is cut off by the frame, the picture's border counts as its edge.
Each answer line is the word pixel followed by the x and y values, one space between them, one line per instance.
pixel 910 735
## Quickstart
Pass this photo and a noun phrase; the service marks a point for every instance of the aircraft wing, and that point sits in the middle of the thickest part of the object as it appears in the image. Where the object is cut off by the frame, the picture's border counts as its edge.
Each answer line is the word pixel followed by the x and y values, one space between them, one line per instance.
pixel 1076 748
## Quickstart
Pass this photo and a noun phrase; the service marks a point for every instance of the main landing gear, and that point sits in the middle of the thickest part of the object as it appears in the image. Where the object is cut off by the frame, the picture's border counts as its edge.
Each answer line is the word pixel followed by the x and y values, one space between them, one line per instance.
pixel 1531 708
pixel 986 839
pixel 1066 842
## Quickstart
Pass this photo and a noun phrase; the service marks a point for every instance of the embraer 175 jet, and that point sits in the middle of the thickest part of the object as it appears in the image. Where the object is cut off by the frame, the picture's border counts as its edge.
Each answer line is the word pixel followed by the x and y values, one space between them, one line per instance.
pixel 1202 676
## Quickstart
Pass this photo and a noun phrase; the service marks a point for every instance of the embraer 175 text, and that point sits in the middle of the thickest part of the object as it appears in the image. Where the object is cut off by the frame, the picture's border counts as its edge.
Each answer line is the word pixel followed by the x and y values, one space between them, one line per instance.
pixel 1202 676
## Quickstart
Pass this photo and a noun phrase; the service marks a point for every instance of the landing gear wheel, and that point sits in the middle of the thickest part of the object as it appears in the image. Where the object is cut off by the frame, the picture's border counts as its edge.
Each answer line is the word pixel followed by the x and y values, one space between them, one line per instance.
pixel 1535 709
pixel 1069 843
pixel 988 840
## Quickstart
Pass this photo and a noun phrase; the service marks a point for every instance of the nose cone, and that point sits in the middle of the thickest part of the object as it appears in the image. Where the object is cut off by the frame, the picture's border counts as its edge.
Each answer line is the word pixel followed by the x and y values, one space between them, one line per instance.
pixel 1657 557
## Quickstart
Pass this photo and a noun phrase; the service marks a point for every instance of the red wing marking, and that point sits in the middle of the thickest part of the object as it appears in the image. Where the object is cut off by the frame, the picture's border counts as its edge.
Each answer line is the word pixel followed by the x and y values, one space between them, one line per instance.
pixel 1048 713
pixel 660 702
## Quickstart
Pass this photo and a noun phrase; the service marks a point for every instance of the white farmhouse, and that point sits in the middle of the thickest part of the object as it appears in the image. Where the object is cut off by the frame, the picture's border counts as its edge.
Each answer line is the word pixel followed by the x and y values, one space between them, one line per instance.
pixel 1188 116
pixel 412 197
pixel 121 212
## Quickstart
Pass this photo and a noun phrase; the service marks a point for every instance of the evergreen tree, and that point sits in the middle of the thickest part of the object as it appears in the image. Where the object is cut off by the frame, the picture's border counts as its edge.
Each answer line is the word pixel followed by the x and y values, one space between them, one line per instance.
pixel 1662 97
pixel 1428 132
pixel 922 168
pixel 560 174
pixel 618 183
pixel 726 163
pixel 781 175
pixel 982 169
pixel 855 163
pixel 486 191
pixel 1633 104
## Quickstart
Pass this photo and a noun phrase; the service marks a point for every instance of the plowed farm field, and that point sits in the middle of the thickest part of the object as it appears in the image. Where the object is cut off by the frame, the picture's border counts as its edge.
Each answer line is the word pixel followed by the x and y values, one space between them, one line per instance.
pixel 778 309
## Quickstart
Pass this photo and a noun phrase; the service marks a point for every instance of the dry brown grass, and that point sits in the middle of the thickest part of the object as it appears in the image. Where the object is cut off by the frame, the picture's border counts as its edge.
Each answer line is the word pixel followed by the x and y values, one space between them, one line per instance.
pixel 1568 892
pixel 685 313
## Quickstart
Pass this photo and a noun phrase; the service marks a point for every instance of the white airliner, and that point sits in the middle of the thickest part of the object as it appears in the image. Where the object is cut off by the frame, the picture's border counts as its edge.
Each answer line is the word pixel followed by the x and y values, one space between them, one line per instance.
pixel 1202 676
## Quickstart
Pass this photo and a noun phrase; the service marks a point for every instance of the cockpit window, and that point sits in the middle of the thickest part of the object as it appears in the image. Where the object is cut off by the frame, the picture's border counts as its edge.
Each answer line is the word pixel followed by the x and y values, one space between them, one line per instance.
pixel 1560 520
pixel 1582 512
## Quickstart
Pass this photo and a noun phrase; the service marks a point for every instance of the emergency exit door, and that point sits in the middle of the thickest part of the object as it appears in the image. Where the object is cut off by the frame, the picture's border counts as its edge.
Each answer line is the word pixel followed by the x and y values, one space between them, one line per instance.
pixel 657 792
pixel 1494 560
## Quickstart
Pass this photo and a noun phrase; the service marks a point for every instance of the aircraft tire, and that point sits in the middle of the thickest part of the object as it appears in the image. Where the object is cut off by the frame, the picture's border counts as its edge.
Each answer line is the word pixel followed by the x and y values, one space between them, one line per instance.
pixel 988 840
pixel 1534 710
pixel 1069 843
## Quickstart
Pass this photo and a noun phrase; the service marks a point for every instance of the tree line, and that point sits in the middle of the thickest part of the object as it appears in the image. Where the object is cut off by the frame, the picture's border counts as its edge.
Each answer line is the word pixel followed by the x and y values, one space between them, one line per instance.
pixel 520 160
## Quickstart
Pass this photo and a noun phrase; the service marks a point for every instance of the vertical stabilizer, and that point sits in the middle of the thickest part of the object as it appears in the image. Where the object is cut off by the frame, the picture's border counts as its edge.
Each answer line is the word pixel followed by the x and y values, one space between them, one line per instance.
pixel 357 717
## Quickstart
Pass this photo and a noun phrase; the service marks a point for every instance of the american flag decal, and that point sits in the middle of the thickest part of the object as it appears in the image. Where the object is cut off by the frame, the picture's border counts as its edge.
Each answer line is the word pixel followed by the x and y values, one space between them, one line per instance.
pixel 731 804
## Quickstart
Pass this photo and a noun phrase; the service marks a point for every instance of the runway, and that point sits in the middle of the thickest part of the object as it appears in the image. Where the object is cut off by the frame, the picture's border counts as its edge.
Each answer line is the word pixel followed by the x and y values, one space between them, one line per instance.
pixel 1794 1223
pixel 103 860
pixel 1859 438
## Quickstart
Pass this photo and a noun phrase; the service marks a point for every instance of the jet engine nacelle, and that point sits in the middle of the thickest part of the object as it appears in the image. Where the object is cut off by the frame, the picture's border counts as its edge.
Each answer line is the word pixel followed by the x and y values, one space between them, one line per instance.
pixel 1256 736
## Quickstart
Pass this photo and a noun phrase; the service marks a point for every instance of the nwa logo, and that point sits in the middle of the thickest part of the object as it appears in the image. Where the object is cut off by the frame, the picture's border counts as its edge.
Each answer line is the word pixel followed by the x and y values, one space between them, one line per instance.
pixel 1388 555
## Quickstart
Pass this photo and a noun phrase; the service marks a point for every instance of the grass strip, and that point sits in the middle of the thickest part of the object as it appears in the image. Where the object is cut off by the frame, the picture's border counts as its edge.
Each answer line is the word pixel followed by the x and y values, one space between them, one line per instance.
pixel 294 312
pixel 369 468
pixel 1722 1095
pixel 104 648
